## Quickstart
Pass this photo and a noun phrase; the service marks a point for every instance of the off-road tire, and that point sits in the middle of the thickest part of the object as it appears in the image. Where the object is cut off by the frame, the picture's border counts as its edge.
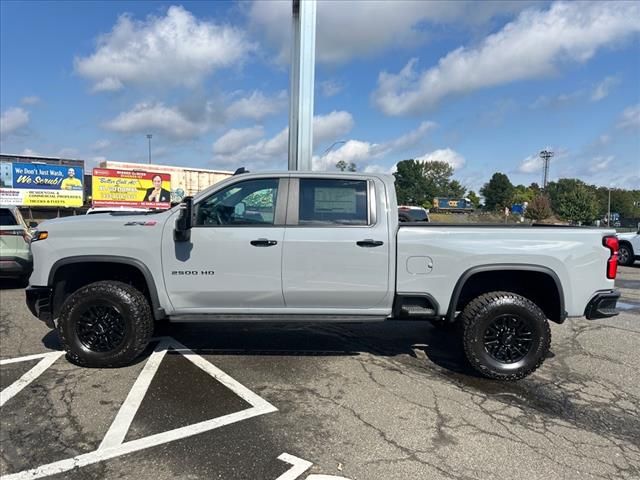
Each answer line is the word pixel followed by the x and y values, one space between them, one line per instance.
pixel 628 258
pixel 137 319
pixel 481 312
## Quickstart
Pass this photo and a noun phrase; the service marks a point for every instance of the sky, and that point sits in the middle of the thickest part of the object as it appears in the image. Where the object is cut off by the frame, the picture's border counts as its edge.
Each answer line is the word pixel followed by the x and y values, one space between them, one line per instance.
pixel 484 86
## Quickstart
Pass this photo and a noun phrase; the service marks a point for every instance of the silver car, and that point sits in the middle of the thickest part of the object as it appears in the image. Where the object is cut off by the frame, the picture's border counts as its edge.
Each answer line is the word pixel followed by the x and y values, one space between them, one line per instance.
pixel 15 254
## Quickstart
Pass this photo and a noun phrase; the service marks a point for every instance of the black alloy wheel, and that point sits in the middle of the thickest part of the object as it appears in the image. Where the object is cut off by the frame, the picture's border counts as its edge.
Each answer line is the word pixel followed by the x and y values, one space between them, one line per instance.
pixel 508 338
pixel 101 327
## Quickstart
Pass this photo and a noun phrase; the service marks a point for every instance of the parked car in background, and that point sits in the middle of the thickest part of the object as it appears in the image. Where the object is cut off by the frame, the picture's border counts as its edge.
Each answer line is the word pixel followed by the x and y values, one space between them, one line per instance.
pixel 15 255
pixel 412 214
pixel 629 250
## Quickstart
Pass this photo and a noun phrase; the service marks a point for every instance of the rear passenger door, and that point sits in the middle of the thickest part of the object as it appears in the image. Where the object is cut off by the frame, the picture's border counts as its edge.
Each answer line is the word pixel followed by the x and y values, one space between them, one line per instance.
pixel 336 246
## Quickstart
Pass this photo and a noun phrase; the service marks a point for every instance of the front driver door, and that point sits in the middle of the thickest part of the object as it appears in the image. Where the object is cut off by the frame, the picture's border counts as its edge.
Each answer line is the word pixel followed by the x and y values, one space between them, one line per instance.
pixel 232 264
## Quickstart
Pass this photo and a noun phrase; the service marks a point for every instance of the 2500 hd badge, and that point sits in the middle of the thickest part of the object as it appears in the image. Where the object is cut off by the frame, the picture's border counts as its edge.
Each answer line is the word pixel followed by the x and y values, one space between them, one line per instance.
pixel 192 273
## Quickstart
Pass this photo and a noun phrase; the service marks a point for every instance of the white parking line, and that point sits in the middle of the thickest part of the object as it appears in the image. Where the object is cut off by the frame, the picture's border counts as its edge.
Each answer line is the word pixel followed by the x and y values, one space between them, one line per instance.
pixel 47 360
pixel 112 445
pixel 299 467
pixel 120 425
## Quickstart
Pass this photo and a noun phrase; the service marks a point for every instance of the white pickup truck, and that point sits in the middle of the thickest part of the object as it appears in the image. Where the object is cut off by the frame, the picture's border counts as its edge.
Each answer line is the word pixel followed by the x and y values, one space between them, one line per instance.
pixel 320 247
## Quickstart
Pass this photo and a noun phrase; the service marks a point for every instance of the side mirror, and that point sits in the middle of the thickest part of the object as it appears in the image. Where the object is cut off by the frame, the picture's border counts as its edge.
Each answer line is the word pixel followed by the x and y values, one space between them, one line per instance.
pixel 182 230
pixel 33 224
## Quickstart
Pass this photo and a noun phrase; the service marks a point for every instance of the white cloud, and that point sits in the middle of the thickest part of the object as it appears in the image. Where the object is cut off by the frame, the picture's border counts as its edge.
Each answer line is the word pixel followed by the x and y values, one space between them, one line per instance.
pixel 446 155
pixel 272 152
pixel 412 138
pixel 355 29
pixel 630 118
pixel 12 120
pixel 172 50
pixel 600 164
pixel 156 117
pixel 236 139
pixel 536 44
pixel 360 152
pixel 330 88
pixel 109 84
pixel 557 101
pixel 531 164
pixel 30 100
pixel 27 152
pixel 602 89
pixel 331 126
pixel 101 144
pixel 67 152
pixel 257 106
pixel 352 151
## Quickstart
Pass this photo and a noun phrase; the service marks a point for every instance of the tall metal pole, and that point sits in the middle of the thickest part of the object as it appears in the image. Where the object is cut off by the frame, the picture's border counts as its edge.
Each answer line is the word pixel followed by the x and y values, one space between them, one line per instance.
pixel 609 209
pixel 546 156
pixel 303 59
pixel 149 137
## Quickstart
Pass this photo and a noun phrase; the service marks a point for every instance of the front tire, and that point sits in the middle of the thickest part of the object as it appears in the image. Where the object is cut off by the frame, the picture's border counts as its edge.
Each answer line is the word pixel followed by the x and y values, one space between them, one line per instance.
pixel 505 336
pixel 105 324
pixel 625 255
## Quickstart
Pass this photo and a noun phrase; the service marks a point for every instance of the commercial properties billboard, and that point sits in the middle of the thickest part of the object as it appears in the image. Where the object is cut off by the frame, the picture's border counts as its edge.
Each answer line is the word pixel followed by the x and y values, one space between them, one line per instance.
pixel 130 188
pixel 184 180
pixel 41 184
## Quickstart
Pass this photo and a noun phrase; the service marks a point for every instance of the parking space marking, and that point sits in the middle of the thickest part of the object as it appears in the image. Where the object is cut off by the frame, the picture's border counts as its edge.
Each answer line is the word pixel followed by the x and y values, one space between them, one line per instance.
pixel 112 446
pixel 16 387
pixel 120 425
pixel 299 467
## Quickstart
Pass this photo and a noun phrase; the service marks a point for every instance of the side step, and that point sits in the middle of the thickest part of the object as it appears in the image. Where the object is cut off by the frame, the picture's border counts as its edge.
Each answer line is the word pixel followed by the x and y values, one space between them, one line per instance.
pixel 417 311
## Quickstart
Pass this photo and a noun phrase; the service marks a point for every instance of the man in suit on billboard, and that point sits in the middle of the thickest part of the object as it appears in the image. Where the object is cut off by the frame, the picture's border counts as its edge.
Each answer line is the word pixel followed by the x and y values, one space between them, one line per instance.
pixel 157 193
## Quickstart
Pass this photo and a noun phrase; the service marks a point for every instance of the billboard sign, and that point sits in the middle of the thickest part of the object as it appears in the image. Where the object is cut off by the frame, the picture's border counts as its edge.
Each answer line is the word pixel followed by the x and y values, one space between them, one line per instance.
pixel 41 185
pixel 130 188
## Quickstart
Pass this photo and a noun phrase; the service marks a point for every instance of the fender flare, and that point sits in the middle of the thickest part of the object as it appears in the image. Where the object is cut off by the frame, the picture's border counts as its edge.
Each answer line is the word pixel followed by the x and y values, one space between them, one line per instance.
pixel 157 310
pixel 562 314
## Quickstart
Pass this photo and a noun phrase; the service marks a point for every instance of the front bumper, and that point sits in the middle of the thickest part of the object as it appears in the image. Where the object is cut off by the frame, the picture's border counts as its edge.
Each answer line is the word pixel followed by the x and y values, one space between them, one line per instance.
pixel 15 267
pixel 602 305
pixel 40 304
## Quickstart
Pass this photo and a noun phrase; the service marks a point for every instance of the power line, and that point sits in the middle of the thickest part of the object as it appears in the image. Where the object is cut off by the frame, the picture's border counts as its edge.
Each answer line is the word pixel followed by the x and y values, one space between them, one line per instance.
pixel 546 156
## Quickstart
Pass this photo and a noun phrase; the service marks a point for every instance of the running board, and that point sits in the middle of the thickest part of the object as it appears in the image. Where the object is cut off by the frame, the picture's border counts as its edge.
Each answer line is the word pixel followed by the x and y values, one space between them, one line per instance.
pixel 273 318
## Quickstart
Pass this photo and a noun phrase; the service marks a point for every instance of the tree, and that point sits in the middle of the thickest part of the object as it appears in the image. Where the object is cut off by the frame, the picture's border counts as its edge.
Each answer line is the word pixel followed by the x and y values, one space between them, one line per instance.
pixel 523 194
pixel 349 167
pixel 539 208
pixel 498 192
pixel 474 198
pixel 418 183
pixel 577 204
pixel 410 183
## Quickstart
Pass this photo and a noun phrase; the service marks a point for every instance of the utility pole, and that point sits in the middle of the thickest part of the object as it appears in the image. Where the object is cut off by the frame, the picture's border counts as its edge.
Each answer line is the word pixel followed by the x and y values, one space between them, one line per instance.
pixel 546 156
pixel 303 59
pixel 149 136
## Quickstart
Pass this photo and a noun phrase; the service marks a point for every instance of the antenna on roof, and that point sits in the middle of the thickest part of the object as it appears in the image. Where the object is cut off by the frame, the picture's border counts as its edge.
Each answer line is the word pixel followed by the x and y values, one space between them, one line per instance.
pixel 240 171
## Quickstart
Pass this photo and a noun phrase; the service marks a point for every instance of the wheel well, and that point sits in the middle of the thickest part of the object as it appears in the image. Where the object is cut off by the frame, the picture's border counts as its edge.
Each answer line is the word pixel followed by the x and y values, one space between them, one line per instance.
pixel 627 244
pixel 73 276
pixel 539 287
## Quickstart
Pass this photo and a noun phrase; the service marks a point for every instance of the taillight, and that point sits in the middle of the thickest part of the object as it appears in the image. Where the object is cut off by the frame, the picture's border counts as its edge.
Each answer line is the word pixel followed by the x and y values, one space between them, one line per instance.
pixel 612 264
pixel 16 233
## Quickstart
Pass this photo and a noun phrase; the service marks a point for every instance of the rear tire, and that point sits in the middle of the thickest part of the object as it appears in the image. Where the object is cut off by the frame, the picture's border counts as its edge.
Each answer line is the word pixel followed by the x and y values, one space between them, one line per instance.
pixel 105 324
pixel 625 255
pixel 505 336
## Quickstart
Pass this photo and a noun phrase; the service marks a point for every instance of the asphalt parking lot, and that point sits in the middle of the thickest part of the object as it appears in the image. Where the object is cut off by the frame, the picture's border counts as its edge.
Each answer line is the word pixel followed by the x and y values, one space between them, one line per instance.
pixel 274 402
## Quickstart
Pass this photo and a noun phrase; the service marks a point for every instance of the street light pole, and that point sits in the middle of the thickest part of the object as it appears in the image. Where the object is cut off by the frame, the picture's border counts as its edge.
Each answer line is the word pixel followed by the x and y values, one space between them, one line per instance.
pixel 149 136
pixel 609 210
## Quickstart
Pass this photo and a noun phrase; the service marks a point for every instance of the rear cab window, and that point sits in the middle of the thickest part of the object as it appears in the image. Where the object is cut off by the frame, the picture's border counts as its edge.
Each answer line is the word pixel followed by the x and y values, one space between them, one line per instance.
pixel 327 202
